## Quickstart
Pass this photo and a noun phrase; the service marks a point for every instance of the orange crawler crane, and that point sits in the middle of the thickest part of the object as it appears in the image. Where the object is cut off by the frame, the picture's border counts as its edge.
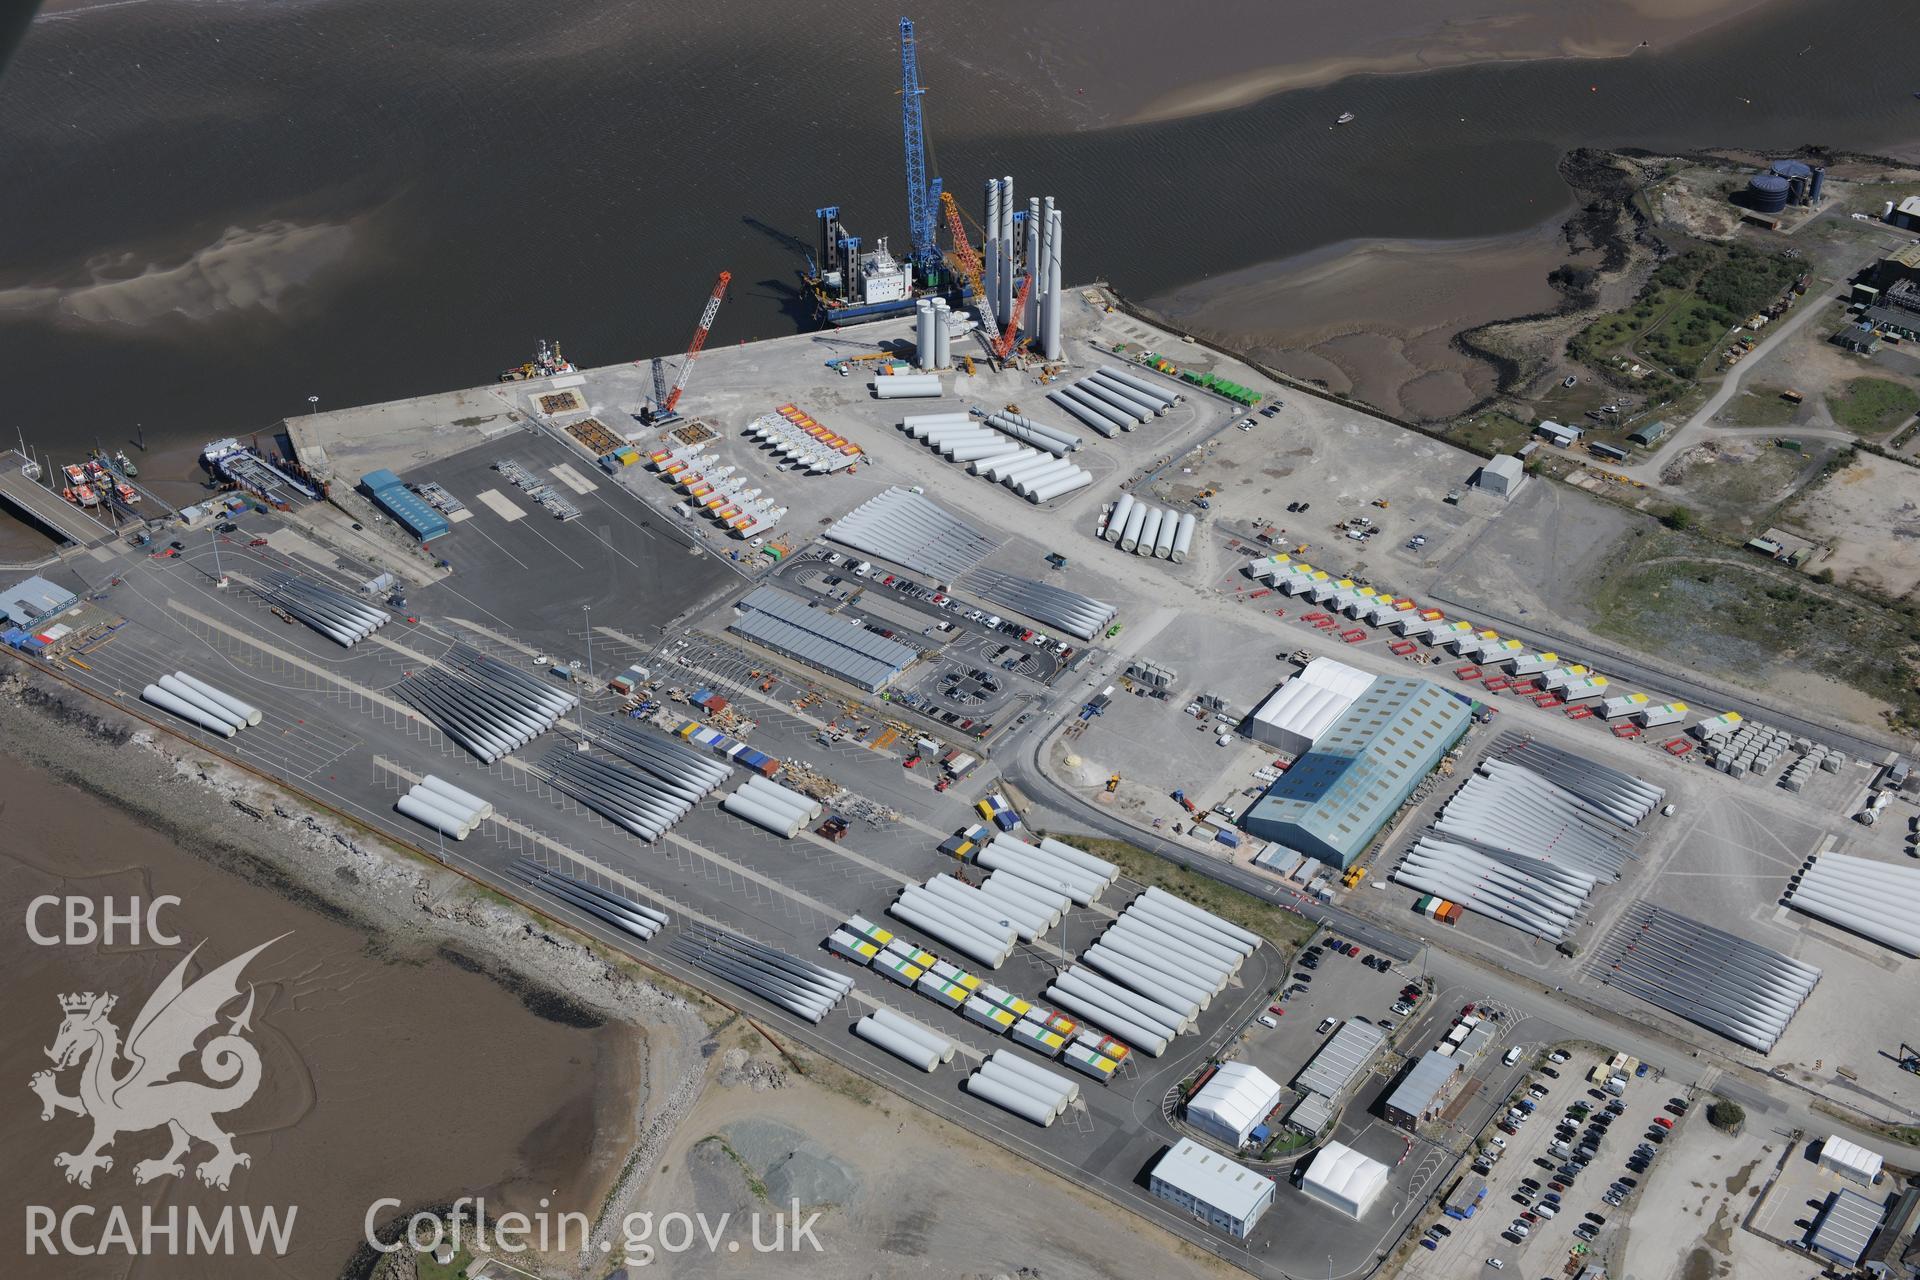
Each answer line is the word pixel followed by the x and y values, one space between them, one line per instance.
pixel 699 338
pixel 969 263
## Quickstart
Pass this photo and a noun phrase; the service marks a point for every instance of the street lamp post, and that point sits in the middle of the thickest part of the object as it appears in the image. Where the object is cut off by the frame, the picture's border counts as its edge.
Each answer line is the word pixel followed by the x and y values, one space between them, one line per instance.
pixel 313 405
pixel 588 610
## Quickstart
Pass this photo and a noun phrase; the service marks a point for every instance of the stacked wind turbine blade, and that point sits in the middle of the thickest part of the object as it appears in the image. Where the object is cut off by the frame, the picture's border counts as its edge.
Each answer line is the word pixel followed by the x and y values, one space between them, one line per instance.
pixel 798 986
pixel 334 614
pixel 619 910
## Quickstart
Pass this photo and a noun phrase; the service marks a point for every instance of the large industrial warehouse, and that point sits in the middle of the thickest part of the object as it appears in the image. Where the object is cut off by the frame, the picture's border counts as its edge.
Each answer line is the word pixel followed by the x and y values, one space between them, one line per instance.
pixel 1361 768
pixel 791 627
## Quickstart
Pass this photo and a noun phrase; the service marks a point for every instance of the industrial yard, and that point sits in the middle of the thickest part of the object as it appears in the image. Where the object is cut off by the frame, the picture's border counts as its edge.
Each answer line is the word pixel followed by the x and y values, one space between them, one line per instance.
pixel 789 696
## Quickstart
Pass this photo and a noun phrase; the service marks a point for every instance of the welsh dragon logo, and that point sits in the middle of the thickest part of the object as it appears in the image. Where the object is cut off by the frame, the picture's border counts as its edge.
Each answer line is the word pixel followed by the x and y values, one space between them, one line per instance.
pixel 143 1093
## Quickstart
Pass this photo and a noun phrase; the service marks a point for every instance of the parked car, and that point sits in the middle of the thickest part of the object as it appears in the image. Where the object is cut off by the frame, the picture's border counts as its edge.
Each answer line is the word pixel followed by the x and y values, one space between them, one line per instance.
pixel 1549 1073
pixel 1269 1021
pixel 1557 1057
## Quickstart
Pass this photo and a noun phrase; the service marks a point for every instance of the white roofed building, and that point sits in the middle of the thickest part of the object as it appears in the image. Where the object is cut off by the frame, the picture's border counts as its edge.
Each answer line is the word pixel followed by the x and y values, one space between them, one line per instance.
pixel 1211 1187
pixel 1299 711
pixel 1850 1160
pixel 1233 1103
pixel 1343 1178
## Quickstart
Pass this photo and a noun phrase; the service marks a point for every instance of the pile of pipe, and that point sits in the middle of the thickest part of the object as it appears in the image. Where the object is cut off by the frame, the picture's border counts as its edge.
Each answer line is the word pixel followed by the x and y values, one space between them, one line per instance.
pixel 775 808
pixel 483 704
pixel 904 1038
pixel 1627 799
pixel 1054 607
pixel 975 925
pixel 1152 974
pixel 198 702
pixel 1056 868
pixel 907 386
pixel 1876 900
pixel 641 804
pixel 686 772
pixel 799 987
pixel 1013 1084
pixel 437 803
pixel 1036 474
pixel 1165 946
pixel 621 912
pixel 1018 427
pixel 1035 904
pixel 1511 812
pixel 1150 531
pixel 334 614
pixel 1110 400
pixel 1534 895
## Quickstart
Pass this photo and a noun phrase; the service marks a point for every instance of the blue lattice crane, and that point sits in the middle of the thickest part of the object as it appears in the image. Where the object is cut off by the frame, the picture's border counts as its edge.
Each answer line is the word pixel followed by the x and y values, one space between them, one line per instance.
pixel 921 197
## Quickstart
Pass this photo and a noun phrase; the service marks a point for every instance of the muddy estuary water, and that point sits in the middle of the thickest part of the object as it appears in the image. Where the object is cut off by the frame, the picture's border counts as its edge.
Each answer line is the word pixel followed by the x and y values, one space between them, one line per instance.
pixel 386 1070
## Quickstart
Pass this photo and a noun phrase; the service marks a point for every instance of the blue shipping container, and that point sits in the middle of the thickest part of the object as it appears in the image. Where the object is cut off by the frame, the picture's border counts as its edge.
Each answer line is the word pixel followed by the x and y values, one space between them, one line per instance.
pixel 1227 838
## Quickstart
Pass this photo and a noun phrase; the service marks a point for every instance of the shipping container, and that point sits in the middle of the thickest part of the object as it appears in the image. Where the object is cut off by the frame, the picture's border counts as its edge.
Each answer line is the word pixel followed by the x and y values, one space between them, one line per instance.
pixel 1228 838
pixel 944 992
pixel 913 955
pixel 1055 1021
pixel 1038 1038
pixel 858 950
pixel 988 1015
pixel 891 966
pixel 1086 1061
pixel 861 927
pixel 1101 1043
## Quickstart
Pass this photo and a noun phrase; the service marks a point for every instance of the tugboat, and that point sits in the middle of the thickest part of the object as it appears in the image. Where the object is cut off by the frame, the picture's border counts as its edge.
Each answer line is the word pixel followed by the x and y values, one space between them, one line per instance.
pixel 127 469
pixel 547 361
pixel 1346 117
pixel 128 494
pixel 75 475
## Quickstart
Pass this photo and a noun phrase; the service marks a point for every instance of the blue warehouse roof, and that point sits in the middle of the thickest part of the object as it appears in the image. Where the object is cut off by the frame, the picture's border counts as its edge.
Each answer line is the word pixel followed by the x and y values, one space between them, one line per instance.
pixel 408 508
pixel 1361 770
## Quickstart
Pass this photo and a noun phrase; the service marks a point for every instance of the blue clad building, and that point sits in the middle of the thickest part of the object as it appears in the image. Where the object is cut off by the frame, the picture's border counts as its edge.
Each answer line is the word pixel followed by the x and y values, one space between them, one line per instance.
pixel 408 509
pixel 1361 770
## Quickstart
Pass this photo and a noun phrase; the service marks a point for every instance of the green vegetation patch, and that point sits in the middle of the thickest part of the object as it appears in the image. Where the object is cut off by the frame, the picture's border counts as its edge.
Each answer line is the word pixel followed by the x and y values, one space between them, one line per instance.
pixel 1872 406
pixel 1490 433
pixel 1283 928
pixel 1760 407
pixel 1730 612
pixel 1687 307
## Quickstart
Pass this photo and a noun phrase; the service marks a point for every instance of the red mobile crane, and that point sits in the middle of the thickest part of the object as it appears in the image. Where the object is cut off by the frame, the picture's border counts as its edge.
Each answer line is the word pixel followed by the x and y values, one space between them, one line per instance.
pixel 699 339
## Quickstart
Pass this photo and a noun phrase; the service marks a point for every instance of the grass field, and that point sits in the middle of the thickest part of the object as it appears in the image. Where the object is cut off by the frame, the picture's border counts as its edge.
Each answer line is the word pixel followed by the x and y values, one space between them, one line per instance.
pixel 1743 618
pixel 1285 929
pixel 1759 407
pixel 1873 406
pixel 1493 432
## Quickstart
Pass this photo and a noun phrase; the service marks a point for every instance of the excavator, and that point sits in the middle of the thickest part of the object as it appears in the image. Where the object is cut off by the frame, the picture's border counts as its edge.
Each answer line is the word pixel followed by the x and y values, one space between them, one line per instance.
pixel 1113 784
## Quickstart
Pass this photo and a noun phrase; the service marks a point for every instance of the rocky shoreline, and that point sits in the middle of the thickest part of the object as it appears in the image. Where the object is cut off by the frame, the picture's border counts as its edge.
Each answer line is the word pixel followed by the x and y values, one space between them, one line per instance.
pixel 403 904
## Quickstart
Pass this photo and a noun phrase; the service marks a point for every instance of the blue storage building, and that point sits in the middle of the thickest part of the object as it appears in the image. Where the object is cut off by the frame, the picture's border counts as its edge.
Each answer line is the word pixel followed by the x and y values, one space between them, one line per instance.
pixel 408 509
pixel 1358 773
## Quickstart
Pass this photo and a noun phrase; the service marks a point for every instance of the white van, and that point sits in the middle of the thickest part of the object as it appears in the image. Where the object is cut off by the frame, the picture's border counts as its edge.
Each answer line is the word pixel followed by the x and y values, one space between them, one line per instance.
pixel 1513 1056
